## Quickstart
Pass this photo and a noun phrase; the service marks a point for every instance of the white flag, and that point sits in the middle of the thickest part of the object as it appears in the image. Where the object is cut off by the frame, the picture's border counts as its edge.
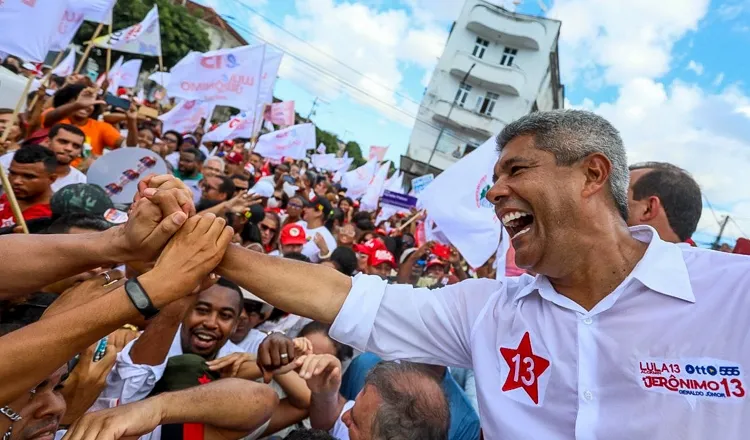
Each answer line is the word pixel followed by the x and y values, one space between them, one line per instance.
pixel 143 38
pixel 112 84
pixel 240 126
pixel 395 183
pixel 456 201
pixel 126 75
pixel 369 201
pixel 322 149
pixel 185 116
pixel 30 27
pixel 161 78
pixel 226 76
pixel 67 65
pixel 292 142
pixel 271 63
pixel 98 11
pixel 356 181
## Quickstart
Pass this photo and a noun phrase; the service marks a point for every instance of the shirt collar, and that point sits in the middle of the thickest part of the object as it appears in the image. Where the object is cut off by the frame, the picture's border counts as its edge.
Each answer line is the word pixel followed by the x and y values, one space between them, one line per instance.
pixel 662 269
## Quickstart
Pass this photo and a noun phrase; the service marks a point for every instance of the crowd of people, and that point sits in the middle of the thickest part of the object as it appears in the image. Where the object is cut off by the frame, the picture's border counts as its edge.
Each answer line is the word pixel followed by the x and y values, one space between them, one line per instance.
pixel 242 297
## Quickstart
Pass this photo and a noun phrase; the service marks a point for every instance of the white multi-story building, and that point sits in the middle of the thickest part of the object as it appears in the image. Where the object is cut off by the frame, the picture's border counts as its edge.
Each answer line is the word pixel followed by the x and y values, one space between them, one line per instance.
pixel 496 67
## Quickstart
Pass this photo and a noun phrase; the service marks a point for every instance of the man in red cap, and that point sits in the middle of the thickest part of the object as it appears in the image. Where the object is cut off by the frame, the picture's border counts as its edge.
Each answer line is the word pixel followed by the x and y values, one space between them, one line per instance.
pixel 292 239
pixel 380 261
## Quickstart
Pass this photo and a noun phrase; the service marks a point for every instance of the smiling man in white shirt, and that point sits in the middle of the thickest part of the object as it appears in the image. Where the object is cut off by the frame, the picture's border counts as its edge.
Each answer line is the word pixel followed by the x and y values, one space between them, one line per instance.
pixel 620 336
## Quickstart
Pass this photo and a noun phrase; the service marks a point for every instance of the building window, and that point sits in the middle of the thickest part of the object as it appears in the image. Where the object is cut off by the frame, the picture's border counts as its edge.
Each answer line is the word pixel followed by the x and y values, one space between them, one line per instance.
pixel 479 47
pixel 509 55
pixel 486 105
pixel 462 94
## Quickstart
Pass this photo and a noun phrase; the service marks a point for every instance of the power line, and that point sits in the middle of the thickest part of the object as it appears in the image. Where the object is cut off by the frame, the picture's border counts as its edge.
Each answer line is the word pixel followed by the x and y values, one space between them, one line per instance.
pixel 712 209
pixel 344 82
pixel 738 227
pixel 270 21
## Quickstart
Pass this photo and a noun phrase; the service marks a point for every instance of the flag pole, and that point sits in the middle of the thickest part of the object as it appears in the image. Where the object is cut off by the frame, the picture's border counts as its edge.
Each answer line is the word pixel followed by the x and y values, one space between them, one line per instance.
pixel 46 78
pixel 109 54
pixel 89 47
pixel 3 176
pixel 411 220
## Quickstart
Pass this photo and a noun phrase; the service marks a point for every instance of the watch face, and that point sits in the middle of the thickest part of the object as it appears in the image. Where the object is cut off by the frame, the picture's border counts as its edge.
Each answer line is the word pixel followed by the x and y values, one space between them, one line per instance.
pixel 141 301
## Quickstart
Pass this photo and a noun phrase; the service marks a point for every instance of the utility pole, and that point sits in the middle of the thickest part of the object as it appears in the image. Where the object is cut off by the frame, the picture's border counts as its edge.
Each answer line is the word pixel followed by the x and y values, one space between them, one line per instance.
pixel 448 116
pixel 312 109
pixel 721 232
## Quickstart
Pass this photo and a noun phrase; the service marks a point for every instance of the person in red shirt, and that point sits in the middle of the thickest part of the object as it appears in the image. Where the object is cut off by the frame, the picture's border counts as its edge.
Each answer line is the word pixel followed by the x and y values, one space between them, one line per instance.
pixel 31 175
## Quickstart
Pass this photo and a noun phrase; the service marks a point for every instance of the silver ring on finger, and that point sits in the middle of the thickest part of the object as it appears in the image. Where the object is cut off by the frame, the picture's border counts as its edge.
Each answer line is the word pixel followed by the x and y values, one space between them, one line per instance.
pixel 284 356
pixel 107 277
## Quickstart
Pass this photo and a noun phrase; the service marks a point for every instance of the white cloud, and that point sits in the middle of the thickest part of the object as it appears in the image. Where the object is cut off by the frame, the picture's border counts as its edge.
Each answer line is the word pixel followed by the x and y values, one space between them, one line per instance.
pixel 698 131
pixel 718 80
pixel 625 39
pixel 362 46
pixel 695 67
pixel 730 11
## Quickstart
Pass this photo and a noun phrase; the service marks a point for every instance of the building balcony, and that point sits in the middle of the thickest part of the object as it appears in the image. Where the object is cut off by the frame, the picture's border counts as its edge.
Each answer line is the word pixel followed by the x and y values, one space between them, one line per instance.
pixel 506 27
pixel 462 118
pixel 493 77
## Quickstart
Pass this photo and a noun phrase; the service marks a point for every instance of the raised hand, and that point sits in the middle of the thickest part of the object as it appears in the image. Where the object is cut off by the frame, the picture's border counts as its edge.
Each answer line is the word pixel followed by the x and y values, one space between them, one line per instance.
pixel 276 355
pixel 194 251
pixel 86 382
pixel 321 371
pixel 241 365
pixel 85 292
pixel 87 98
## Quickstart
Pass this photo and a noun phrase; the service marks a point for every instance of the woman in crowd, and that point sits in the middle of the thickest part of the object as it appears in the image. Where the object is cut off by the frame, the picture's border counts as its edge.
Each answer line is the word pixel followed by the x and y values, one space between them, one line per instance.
pixel 294 211
pixel 269 231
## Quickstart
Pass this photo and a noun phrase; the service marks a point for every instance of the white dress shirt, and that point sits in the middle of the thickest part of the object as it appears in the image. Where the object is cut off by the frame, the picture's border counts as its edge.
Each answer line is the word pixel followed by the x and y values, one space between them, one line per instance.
pixel 661 357
pixel 252 341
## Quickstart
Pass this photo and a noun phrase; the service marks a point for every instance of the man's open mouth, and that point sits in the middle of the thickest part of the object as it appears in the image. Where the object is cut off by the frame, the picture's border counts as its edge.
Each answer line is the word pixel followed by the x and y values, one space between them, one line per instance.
pixel 517 223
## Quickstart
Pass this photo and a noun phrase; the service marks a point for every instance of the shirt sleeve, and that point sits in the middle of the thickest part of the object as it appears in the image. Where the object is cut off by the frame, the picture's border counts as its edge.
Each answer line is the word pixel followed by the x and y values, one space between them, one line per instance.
pixel 421 325
pixel 339 430
pixel 129 382
pixel 109 135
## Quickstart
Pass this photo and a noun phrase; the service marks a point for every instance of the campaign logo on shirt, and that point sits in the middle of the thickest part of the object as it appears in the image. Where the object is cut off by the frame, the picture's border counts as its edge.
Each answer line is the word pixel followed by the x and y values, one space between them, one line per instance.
pixel 696 378
pixel 526 380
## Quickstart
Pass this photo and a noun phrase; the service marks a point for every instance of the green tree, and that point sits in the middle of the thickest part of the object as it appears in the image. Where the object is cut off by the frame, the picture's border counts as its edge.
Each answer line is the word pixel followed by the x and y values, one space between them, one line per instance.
pixel 355 152
pixel 180 32
pixel 328 139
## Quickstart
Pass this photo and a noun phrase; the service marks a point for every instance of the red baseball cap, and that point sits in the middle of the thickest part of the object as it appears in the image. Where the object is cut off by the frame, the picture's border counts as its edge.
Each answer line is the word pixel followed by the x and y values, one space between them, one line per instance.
pixel 292 234
pixel 381 256
pixel 369 247
pixel 435 262
pixel 234 158
pixel 441 251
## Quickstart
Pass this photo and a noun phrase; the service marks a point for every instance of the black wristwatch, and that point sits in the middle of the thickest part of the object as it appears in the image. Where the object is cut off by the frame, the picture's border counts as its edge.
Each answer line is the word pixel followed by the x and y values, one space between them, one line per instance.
pixel 140 298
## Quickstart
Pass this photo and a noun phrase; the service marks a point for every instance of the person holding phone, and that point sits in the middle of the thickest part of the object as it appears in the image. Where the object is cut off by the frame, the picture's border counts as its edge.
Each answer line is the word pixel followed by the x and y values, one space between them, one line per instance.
pixel 76 105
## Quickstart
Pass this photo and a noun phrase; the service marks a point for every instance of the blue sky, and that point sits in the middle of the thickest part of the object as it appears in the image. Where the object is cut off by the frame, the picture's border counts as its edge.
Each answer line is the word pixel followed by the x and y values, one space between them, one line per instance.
pixel 669 74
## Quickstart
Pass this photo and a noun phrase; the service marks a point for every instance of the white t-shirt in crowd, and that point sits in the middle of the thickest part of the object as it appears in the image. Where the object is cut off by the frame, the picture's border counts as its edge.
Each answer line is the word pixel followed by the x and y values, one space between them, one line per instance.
pixel 6 159
pixel 252 341
pixel 73 177
pixel 173 158
pixel 310 249
pixel 661 357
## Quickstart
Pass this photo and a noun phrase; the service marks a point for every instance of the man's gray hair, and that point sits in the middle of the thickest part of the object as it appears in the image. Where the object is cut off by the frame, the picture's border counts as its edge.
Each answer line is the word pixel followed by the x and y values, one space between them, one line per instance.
pixel 414 405
pixel 222 164
pixel 571 135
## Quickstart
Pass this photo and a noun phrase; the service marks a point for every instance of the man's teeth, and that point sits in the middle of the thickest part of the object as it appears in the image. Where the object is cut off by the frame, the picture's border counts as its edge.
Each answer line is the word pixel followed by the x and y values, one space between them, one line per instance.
pixel 509 217
pixel 521 232
pixel 204 337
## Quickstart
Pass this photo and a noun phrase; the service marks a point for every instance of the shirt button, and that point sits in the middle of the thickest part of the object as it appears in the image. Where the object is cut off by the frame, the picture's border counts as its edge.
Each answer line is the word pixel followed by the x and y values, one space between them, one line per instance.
pixel 588 321
pixel 587 395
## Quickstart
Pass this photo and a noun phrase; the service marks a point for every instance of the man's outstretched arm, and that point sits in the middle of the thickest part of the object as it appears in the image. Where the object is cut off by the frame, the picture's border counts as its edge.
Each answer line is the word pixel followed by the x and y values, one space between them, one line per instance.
pixel 310 290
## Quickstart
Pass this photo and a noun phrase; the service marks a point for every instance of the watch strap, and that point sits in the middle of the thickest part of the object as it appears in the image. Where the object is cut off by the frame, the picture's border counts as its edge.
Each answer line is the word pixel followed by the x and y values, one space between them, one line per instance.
pixel 140 299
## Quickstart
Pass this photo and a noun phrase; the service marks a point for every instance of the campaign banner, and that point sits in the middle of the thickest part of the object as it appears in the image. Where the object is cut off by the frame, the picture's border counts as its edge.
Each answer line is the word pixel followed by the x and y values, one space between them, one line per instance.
pixel 418 184
pixel 185 116
pixel 280 113
pixel 240 126
pixel 30 27
pixel 126 74
pixel 398 199
pixel 292 142
pixel 98 11
pixel 269 72
pixel 226 76
pixel 356 181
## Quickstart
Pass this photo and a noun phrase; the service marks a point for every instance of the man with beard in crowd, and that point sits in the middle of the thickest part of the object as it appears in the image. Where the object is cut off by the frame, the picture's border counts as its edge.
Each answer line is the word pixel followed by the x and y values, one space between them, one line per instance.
pixel 666 198
pixel 31 175
pixel 198 326
pixel 214 190
pixel 189 170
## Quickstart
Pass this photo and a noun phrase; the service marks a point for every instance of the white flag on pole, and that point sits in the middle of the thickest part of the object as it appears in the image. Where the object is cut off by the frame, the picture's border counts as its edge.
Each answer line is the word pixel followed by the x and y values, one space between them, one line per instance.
pixel 143 38
pixel 127 74
pixel 456 201
pixel 98 11
pixel 240 126
pixel 271 63
pixel 226 76
pixel 30 27
pixel 375 189
pixel 356 181
pixel 395 183
pixel 185 116
pixel 67 65
pixel 290 142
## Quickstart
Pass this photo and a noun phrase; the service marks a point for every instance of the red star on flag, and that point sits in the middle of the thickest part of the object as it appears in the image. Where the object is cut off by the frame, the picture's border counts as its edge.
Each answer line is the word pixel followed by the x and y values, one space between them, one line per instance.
pixel 525 368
